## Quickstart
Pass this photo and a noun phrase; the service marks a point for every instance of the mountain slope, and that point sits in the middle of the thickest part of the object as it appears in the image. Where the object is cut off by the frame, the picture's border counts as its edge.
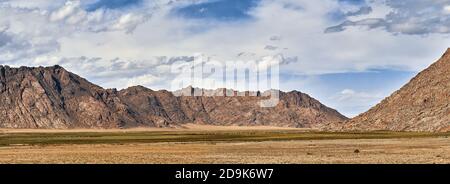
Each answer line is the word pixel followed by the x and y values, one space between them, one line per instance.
pixel 421 105
pixel 51 97
pixel 55 98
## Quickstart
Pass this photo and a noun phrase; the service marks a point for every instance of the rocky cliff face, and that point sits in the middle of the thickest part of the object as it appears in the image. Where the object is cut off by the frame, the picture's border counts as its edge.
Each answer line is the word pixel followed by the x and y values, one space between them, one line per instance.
pixel 421 105
pixel 52 97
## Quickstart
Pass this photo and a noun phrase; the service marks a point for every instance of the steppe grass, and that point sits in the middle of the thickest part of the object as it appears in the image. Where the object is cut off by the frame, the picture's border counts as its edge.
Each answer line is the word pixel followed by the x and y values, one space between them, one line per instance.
pixel 17 139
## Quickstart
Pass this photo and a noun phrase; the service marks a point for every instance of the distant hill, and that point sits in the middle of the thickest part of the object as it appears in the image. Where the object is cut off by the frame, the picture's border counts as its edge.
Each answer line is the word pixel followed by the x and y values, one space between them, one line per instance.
pixel 421 105
pixel 52 97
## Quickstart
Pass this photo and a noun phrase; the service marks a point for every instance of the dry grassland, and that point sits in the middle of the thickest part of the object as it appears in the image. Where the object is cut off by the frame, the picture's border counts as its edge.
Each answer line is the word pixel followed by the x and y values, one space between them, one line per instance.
pixel 222 146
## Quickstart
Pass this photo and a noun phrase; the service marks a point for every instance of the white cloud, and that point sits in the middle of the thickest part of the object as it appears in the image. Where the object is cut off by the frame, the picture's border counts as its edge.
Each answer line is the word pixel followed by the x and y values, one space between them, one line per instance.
pixel 446 10
pixel 416 17
pixel 71 8
pixel 128 22
pixel 101 20
pixel 144 80
pixel 33 29
pixel 41 4
pixel 357 97
pixel 347 92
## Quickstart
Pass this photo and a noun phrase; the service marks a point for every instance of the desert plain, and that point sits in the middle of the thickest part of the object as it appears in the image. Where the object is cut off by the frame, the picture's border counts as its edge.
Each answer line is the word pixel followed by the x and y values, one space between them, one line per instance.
pixel 217 144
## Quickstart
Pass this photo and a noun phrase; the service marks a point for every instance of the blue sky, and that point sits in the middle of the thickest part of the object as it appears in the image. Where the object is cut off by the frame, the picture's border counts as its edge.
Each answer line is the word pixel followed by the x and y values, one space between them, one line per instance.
pixel 221 10
pixel 349 54
pixel 111 4
pixel 351 92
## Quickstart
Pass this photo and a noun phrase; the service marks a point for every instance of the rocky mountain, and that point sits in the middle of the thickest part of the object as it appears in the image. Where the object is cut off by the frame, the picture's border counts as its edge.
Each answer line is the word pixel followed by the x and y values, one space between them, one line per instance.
pixel 51 97
pixel 55 98
pixel 421 105
pixel 295 109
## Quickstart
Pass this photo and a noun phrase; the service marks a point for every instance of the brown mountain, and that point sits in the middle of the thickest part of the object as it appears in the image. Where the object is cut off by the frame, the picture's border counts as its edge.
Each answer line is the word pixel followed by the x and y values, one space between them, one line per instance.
pixel 51 97
pixel 421 105
pixel 163 108
pixel 54 98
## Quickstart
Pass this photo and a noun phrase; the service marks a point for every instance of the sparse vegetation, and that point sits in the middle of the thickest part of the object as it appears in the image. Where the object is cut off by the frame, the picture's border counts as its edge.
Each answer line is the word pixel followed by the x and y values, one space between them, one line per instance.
pixel 7 139
pixel 222 146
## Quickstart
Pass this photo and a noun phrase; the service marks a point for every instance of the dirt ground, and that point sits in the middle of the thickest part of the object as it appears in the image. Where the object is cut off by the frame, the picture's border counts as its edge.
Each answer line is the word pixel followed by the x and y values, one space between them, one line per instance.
pixel 404 150
pixel 184 128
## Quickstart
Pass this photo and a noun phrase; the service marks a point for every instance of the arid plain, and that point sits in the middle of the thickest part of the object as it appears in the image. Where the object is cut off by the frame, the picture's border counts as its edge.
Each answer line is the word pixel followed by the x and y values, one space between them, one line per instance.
pixel 211 144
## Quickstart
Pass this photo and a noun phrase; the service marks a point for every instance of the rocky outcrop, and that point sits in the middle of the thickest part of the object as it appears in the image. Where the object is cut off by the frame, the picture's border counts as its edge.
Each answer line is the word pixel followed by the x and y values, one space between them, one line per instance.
pixel 421 105
pixel 51 97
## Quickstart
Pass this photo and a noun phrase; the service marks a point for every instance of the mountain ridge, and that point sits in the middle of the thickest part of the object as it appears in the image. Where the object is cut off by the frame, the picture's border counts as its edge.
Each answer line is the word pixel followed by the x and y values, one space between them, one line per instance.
pixel 52 97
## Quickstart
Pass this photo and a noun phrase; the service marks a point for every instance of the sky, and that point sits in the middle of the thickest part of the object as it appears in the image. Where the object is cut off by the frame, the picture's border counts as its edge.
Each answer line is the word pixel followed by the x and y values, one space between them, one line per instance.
pixel 348 54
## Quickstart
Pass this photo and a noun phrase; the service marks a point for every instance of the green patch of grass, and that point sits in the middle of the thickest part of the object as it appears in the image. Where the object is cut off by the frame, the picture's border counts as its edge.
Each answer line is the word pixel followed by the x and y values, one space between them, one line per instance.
pixel 9 139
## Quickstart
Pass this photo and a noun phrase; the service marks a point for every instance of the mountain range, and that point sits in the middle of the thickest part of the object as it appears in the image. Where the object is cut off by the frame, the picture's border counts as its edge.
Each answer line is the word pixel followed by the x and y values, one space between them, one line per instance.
pixel 54 98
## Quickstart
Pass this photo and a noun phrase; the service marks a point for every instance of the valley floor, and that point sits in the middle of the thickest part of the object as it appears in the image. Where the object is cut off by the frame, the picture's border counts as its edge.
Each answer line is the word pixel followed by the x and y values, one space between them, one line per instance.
pixel 223 146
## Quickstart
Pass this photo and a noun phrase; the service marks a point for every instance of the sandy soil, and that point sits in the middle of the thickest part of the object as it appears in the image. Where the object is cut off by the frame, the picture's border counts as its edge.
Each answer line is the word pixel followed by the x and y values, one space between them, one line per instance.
pixel 417 150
